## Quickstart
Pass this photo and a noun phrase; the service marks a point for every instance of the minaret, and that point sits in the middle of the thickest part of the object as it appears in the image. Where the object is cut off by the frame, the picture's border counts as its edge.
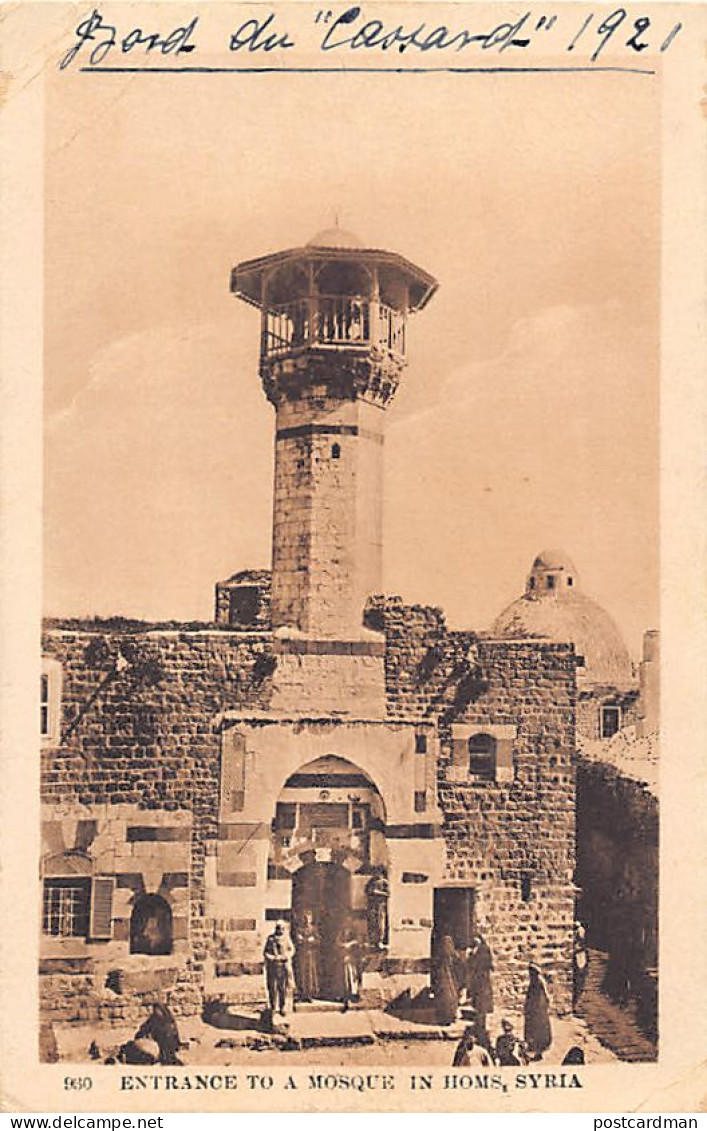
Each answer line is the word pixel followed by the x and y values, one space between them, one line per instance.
pixel 334 318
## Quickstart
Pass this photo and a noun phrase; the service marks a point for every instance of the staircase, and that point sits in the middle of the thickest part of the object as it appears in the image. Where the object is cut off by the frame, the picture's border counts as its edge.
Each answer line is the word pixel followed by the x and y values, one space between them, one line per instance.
pixel 614 1025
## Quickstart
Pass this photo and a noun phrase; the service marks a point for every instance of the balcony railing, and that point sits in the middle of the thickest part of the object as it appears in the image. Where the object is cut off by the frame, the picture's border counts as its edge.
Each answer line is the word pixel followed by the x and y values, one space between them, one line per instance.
pixel 332 320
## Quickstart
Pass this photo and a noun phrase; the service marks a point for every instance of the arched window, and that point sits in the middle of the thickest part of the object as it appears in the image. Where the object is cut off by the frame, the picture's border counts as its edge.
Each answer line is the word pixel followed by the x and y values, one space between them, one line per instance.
pixel 151 926
pixel 482 756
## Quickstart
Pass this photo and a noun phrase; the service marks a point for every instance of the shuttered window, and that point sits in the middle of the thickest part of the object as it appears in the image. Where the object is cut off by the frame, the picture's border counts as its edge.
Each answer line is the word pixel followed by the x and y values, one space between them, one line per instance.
pixel 102 907
pixel 232 772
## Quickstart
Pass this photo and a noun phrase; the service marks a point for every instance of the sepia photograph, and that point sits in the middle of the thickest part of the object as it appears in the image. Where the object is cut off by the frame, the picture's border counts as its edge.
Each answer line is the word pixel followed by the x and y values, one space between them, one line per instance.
pixel 350 688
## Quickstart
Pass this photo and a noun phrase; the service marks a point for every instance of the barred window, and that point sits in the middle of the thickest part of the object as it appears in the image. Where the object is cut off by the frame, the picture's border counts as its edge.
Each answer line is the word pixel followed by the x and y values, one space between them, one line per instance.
pixel 66 907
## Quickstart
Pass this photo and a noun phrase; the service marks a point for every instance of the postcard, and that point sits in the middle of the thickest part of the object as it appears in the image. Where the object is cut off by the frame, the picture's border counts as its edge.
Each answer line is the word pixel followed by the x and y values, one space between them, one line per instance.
pixel 354 487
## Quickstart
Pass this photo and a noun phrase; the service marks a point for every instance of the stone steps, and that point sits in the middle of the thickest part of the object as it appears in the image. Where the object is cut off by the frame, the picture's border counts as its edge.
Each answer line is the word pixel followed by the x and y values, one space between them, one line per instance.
pixel 321 1005
pixel 614 1025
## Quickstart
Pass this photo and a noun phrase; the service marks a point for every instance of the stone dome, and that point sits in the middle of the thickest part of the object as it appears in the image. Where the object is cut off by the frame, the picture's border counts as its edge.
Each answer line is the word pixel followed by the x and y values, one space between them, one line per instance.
pixel 553 607
pixel 554 559
pixel 335 238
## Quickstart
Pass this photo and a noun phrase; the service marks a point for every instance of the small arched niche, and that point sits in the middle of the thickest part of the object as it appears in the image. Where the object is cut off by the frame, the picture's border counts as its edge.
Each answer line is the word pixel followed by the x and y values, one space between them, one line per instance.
pixel 151 926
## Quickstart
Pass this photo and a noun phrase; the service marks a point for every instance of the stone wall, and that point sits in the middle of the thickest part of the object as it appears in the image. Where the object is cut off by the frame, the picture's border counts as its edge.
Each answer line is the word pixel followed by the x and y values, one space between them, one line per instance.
pixel 590 701
pixel 142 734
pixel 139 735
pixel 512 841
pixel 617 860
pixel 618 876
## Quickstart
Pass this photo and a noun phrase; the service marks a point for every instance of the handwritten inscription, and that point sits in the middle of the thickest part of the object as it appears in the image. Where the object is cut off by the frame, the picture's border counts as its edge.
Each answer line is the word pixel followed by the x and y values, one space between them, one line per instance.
pixel 105 37
pixel 374 34
pixel 351 31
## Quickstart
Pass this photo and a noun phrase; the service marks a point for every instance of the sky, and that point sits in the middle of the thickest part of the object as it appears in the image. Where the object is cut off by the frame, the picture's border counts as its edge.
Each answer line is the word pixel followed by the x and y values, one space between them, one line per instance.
pixel 528 415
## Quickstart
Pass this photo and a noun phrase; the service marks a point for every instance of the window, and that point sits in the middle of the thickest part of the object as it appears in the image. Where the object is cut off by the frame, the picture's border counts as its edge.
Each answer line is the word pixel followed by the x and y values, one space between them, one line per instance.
pixel 550 581
pixel 420 801
pixel 610 721
pixel 44 704
pixel 570 581
pixel 526 886
pixel 359 817
pixel 285 815
pixel 420 743
pixel 336 451
pixel 244 605
pixel 151 926
pixel 75 903
pixel 50 702
pixel 65 911
pixel 482 752
pixel 482 756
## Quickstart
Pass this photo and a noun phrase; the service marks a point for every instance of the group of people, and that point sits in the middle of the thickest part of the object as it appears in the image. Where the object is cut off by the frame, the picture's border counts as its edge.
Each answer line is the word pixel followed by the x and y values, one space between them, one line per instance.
pixel 313 967
pixel 296 965
pixel 508 1050
pixel 466 980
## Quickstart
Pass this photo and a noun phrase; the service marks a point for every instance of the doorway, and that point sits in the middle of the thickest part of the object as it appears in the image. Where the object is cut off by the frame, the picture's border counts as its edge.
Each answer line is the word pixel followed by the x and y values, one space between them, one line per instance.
pixel 325 890
pixel 454 915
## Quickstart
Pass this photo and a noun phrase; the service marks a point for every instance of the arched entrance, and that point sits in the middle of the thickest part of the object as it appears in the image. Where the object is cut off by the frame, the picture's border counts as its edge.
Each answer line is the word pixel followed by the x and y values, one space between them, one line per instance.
pixel 328 843
pixel 324 891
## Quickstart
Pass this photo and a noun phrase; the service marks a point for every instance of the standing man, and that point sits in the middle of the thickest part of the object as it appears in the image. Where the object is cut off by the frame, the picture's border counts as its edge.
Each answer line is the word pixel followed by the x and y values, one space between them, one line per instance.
pixel 347 947
pixel 479 989
pixel 581 960
pixel 278 968
pixel 308 942
pixel 538 1031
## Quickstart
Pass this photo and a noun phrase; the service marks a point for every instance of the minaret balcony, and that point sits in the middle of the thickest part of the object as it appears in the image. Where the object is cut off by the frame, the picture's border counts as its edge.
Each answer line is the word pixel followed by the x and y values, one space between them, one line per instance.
pixel 332 322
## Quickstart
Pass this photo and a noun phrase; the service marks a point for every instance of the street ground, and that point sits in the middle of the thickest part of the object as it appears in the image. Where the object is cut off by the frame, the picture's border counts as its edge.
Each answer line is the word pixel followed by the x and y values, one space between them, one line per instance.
pixel 327 1036
pixel 359 1037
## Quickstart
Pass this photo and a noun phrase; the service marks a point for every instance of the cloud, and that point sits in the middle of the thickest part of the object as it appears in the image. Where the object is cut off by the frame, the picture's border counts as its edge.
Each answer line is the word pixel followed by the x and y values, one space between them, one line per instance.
pixel 553 441
pixel 155 475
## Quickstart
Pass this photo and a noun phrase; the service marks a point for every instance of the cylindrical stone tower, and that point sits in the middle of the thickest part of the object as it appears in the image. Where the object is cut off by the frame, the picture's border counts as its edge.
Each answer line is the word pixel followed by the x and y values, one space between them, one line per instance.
pixel 333 344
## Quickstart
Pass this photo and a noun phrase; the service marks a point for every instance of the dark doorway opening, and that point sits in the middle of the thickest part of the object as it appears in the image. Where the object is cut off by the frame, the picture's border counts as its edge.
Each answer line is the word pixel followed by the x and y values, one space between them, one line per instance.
pixel 325 891
pixel 454 915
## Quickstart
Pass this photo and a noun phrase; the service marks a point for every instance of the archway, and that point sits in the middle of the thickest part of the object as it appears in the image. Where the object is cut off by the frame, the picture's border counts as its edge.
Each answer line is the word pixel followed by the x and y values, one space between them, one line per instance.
pixel 328 839
pixel 329 811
